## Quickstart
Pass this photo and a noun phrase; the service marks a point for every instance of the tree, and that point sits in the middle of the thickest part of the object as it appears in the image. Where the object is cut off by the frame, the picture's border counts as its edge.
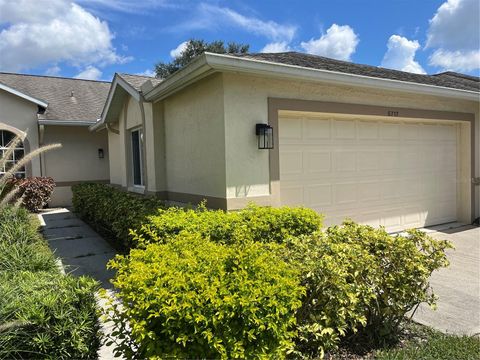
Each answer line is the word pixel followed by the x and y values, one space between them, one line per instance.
pixel 195 48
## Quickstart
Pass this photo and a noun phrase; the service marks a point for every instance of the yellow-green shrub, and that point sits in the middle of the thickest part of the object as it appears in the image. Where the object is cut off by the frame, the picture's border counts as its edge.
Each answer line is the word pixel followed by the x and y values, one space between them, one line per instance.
pixel 262 224
pixel 193 298
pixel 392 273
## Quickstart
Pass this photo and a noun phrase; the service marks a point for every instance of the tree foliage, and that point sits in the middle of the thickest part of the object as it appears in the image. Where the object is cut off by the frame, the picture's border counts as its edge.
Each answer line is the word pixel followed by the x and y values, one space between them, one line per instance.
pixel 195 48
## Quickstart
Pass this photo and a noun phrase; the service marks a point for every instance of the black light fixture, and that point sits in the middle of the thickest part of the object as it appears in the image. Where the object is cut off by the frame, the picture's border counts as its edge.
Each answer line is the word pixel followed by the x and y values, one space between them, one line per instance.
pixel 265 136
pixel 101 155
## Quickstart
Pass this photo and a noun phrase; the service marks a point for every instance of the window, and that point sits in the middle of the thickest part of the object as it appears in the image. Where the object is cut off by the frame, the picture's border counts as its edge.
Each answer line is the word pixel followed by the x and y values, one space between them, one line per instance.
pixel 137 157
pixel 5 138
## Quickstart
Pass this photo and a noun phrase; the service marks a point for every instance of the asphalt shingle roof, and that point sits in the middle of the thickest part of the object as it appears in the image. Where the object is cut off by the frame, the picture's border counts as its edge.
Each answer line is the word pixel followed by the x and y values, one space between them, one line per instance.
pixel 68 99
pixel 138 80
pixel 447 79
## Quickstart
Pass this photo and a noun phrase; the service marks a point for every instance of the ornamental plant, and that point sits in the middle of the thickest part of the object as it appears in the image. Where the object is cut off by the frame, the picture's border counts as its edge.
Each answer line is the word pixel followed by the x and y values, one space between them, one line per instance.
pixel 34 192
pixel 194 298
pixel 9 193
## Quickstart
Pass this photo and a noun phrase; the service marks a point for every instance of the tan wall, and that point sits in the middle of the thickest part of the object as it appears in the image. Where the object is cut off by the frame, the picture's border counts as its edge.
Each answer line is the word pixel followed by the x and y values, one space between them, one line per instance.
pixel 195 140
pixel 76 161
pixel 246 103
pixel 19 115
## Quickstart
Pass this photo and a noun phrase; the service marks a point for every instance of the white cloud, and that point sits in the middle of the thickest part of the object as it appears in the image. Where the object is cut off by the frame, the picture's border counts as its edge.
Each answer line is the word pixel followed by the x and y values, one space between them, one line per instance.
pixel 339 42
pixel 209 16
pixel 454 32
pixel 53 70
pixel 400 55
pixel 178 50
pixel 147 72
pixel 456 60
pixel 90 73
pixel 36 33
pixel 128 6
pixel 276 47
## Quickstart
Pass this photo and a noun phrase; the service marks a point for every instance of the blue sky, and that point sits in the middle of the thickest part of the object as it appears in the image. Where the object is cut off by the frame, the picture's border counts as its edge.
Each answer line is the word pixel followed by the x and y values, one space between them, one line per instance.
pixel 96 38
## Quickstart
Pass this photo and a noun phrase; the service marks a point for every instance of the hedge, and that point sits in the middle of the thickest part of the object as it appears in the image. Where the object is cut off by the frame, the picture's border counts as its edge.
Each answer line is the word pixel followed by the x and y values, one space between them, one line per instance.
pixel 194 298
pixel 113 212
pixel 262 224
pixel 43 313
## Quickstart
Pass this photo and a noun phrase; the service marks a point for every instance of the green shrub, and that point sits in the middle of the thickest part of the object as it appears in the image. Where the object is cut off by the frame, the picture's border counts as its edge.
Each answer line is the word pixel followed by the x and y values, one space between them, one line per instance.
pixel 193 298
pixel 262 224
pixel 396 268
pixel 113 212
pixel 47 315
pixel 336 294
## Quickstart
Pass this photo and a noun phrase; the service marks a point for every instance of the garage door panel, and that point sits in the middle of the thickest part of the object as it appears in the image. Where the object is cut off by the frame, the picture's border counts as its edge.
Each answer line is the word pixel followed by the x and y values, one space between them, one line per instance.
pixel 318 195
pixel 317 129
pixel 367 130
pixel 344 129
pixel 392 174
pixel 318 161
pixel 345 161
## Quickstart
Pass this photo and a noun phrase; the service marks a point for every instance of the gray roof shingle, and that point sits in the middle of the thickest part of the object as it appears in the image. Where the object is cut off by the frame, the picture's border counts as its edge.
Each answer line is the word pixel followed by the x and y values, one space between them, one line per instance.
pixel 138 80
pixel 447 79
pixel 85 105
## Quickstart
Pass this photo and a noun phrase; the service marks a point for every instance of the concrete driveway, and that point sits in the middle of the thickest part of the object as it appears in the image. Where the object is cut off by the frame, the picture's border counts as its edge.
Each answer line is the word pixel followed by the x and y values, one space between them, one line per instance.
pixel 458 286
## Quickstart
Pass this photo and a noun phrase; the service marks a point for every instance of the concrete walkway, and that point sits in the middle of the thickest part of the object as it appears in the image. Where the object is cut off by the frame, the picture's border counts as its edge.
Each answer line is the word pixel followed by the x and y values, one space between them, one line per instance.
pixel 81 249
pixel 458 286
pixel 82 252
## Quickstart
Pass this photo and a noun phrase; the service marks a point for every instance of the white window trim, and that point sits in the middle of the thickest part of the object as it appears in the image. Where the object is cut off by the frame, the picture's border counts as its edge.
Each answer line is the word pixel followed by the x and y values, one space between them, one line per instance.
pixel 138 188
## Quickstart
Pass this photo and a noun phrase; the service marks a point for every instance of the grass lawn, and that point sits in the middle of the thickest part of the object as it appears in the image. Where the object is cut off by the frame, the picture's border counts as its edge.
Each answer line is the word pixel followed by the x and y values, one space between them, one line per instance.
pixel 429 344
pixel 422 343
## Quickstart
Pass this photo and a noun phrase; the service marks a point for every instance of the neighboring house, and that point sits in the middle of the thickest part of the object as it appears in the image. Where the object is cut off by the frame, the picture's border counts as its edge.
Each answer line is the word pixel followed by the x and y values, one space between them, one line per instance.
pixel 56 110
pixel 383 147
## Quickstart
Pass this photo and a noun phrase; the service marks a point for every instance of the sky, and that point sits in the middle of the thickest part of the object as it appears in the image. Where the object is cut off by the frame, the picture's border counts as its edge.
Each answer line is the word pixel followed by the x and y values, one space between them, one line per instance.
pixel 93 39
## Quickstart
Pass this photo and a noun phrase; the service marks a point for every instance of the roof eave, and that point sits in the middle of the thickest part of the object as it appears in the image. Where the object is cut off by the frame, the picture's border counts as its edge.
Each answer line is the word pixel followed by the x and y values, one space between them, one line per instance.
pixel 56 122
pixel 117 81
pixel 13 91
pixel 209 62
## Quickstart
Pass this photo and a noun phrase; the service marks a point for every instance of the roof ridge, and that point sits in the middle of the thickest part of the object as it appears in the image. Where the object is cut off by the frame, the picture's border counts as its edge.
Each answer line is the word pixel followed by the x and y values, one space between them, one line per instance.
pixel 137 75
pixel 460 75
pixel 342 61
pixel 53 77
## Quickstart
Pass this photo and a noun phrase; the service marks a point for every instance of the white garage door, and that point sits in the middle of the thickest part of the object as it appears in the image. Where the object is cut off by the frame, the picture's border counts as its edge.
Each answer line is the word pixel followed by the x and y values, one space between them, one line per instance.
pixel 391 173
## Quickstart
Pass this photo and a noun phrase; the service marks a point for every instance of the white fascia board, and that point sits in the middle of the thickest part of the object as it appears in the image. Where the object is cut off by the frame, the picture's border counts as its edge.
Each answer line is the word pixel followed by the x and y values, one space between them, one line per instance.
pixel 194 71
pixel 209 62
pixel 23 96
pixel 223 62
pixel 117 81
pixel 66 122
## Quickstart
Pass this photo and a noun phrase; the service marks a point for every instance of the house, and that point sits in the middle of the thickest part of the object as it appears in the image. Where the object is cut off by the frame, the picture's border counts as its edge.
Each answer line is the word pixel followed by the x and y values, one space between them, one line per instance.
pixel 46 110
pixel 383 147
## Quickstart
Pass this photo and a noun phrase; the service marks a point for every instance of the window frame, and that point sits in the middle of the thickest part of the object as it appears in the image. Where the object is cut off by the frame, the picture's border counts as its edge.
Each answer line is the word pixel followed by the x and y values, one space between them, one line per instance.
pixel 141 185
pixel 22 174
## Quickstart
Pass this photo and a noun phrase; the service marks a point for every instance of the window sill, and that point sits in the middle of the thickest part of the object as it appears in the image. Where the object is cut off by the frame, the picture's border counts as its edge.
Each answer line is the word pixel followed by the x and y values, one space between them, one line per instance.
pixel 137 189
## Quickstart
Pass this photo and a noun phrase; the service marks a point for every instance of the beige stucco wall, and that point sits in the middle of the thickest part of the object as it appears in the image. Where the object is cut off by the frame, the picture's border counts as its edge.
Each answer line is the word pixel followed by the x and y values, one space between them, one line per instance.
pixel 246 103
pixel 195 140
pixel 19 115
pixel 76 161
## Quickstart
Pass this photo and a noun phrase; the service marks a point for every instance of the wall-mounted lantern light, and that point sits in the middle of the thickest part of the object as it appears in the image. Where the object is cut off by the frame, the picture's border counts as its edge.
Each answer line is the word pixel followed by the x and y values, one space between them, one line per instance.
pixel 101 154
pixel 265 136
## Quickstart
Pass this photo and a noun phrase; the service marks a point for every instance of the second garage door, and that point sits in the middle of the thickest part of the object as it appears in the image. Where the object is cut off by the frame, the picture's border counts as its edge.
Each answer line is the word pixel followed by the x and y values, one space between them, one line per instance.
pixel 398 174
